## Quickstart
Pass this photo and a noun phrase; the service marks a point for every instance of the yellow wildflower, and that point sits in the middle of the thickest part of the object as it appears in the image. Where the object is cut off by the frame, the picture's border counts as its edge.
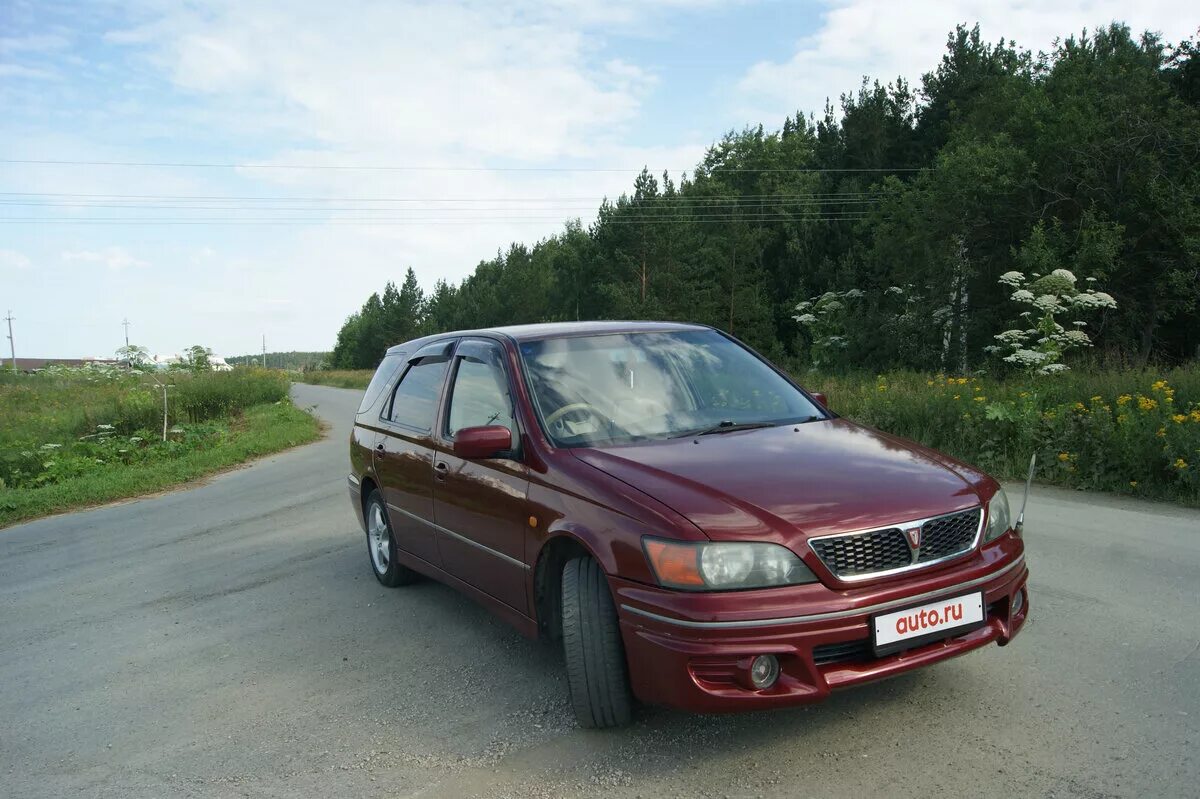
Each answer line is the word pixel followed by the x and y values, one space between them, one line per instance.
pixel 1124 398
pixel 980 399
pixel 1159 385
pixel 1023 394
pixel 1162 432
pixel 956 396
pixel 1133 483
pixel 1179 418
pixel 1180 464
pixel 1147 404
pixel 929 382
pixel 1122 418
pixel 962 381
pixel 1064 456
pixel 1097 398
pixel 1079 406
pixel 1195 415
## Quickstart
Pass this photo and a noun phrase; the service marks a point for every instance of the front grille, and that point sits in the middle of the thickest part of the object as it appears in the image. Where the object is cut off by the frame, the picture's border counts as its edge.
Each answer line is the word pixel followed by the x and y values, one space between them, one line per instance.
pixel 876 551
pixel 859 555
pixel 948 535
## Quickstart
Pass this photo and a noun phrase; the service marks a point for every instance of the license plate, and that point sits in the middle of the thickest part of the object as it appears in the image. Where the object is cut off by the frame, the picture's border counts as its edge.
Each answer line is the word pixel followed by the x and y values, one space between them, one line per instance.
pixel 904 629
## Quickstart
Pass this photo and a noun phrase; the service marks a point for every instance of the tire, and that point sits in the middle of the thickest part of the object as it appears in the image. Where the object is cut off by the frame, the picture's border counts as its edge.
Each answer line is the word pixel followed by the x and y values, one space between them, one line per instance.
pixel 381 545
pixel 596 670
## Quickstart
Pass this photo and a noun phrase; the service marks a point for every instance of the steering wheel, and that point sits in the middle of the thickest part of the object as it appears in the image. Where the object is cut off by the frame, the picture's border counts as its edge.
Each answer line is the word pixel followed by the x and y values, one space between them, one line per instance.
pixel 572 408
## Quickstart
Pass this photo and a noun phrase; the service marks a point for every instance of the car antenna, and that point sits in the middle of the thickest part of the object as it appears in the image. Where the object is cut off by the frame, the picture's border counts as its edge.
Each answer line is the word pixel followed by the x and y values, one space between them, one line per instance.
pixel 1025 500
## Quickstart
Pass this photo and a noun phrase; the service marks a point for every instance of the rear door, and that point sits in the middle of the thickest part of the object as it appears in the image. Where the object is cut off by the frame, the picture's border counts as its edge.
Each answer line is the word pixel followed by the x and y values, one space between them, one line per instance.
pixel 481 506
pixel 404 450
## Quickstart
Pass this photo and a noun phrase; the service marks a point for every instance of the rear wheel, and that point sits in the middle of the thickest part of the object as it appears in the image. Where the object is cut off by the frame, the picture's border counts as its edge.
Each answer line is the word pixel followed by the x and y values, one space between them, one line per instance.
pixel 381 545
pixel 596 670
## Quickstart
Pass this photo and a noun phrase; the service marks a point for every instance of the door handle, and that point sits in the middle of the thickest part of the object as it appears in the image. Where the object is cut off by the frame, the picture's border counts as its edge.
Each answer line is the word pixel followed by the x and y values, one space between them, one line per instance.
pixel 440 469
pixel 380 451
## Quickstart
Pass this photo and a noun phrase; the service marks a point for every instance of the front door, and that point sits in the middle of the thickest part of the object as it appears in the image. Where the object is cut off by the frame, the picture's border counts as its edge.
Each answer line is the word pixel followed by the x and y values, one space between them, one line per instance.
pixel 404 451
pixel 480 505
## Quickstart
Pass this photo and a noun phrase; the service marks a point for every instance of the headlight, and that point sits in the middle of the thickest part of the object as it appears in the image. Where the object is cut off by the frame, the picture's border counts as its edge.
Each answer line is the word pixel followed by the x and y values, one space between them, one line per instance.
pixel 998 516
pixel 720 566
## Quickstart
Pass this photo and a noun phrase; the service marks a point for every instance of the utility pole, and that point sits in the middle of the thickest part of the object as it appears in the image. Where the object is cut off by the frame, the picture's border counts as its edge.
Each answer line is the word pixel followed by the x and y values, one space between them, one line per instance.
pixel 125 322
pixel 264 350
pixel 12 345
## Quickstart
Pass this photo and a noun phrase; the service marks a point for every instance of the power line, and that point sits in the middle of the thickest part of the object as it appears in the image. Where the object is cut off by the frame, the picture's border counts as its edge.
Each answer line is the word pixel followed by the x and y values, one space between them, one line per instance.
pixel 283 221
pixel 289 198
pixel 670 206
pixel 426 168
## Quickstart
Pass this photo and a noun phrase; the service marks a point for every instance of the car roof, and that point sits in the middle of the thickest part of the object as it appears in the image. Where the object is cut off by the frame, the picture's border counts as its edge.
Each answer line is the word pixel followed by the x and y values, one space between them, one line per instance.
pixel 546 330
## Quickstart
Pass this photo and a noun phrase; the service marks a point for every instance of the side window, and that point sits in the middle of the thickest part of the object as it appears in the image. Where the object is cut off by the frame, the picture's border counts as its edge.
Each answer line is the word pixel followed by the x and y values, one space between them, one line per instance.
pixel 416 399
pixel 386 371
pixel 480 394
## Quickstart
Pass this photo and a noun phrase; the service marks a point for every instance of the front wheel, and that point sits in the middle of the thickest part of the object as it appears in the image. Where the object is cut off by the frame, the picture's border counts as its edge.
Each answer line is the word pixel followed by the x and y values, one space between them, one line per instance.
pixel 596 670
pixel 381 545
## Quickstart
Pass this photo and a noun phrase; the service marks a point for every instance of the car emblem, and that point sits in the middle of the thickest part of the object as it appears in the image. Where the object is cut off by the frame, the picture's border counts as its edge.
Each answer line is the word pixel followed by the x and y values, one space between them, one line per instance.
pixel 913 534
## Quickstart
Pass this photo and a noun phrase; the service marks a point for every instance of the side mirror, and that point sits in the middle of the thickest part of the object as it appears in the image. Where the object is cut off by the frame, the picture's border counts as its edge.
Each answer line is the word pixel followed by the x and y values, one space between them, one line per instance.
pixel 820 397
pixel 476 443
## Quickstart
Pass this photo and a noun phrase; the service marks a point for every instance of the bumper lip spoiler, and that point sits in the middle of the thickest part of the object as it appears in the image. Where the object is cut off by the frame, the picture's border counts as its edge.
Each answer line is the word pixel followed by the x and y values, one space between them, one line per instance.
pixel 837 614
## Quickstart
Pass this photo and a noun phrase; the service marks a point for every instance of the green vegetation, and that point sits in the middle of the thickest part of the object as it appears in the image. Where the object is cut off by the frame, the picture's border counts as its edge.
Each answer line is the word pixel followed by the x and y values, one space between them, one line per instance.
pixel 1132 432
pixel 1086 159
pixel 291 361
pixel 74 437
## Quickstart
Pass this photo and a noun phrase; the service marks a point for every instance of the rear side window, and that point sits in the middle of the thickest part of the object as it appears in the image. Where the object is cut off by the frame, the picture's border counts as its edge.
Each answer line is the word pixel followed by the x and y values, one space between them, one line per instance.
pixel 415 402
pixel 383 375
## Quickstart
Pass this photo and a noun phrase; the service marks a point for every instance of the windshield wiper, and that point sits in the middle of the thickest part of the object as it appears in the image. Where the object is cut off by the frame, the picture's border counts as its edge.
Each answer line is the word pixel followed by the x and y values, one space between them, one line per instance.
pixel 724 426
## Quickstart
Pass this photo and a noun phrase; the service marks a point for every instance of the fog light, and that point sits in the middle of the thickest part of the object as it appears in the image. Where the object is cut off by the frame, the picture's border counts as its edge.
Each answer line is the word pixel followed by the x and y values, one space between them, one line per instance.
pixel 764 671
pixel 1018 602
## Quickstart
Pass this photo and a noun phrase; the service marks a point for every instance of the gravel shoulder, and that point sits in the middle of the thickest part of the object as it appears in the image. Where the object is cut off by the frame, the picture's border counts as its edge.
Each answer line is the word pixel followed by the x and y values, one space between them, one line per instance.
pixel 229 640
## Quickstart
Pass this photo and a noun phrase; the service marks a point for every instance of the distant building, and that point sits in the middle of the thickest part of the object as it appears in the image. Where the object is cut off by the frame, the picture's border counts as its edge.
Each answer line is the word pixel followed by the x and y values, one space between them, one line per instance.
pixel 37 364
pixel 215 362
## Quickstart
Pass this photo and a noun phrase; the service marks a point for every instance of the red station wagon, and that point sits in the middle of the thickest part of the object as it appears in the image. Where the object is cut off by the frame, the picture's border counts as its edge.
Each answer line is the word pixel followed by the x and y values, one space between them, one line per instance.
pixel 698 530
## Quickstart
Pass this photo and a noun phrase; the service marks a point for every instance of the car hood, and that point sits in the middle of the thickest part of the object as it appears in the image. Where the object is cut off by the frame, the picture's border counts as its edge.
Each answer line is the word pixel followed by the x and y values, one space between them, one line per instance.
pixel 788 483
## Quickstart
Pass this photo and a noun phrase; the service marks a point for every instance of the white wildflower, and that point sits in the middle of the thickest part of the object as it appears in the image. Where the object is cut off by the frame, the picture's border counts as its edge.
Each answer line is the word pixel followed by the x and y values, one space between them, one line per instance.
pixel 1077 338
pixel 853 294
pixel 1012 336
pixel 1064 274
pixel 1025 357
pixel 894 290
pixel 1022 295
pixel 805 319
pixel 804 306
pixel 1052 368
pixel 1013 279
pixel 1048 303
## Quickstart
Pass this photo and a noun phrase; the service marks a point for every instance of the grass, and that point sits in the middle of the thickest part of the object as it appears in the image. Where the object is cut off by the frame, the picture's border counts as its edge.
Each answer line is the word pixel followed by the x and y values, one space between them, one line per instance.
pixel 1134 432
pixel 339 378
pixel 1128 432
pixel 73 438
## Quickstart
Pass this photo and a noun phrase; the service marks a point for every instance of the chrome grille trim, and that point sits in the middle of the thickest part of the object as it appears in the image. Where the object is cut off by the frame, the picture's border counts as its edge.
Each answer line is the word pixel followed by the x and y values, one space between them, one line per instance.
pixel 872 536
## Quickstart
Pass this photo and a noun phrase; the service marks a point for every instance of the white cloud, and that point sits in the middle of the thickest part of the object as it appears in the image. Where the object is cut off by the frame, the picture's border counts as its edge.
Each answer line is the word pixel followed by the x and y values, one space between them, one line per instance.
pixel 11 259
pixel 463 81
pixel 884 39
pixel 115 258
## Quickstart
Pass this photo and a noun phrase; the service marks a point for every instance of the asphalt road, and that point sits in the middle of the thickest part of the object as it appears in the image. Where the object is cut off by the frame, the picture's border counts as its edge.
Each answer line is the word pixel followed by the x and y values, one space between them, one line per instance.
pixel 229 640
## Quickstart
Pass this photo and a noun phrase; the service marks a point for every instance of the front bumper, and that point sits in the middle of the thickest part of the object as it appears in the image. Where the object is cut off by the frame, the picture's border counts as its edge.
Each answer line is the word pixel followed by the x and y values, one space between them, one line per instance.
pixel 693 651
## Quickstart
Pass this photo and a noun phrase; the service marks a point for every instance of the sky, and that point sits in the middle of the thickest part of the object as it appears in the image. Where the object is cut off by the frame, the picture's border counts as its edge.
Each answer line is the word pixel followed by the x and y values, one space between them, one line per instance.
pixel 217 172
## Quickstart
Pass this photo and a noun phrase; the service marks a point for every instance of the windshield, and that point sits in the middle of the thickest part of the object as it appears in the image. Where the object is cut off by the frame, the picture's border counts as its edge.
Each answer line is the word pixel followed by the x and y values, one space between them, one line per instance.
pixel 625 387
